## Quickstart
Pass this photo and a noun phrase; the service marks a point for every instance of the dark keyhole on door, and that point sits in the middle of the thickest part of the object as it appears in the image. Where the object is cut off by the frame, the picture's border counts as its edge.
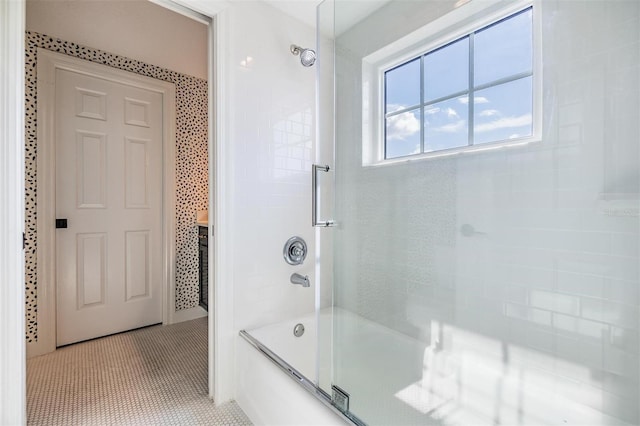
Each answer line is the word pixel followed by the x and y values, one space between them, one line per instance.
pixel 61 223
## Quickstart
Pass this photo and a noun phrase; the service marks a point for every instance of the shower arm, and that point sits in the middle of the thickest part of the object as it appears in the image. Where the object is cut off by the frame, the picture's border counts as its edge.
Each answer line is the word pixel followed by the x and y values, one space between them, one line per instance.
pixel 314 198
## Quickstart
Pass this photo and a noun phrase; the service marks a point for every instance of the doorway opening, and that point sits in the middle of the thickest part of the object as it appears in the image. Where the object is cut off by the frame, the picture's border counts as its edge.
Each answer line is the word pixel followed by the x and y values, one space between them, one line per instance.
pixel 177 297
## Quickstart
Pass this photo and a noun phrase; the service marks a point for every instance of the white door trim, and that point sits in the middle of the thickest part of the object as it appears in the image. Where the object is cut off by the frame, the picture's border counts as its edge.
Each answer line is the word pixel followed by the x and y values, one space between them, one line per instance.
pixel 12 293
pixel 48 63
pixel 221 186
pixel 222 333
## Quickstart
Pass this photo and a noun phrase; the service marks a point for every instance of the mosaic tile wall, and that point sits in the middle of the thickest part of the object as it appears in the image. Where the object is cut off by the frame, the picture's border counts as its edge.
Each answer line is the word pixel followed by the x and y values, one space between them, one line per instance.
pixel 191 164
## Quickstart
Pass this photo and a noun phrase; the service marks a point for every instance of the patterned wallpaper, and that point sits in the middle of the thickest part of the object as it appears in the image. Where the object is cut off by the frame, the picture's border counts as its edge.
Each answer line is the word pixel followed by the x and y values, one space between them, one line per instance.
pixel 191 164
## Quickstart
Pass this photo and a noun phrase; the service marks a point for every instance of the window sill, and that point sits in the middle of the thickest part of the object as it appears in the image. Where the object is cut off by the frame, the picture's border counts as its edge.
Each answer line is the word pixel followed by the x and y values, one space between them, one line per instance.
pixel 455 152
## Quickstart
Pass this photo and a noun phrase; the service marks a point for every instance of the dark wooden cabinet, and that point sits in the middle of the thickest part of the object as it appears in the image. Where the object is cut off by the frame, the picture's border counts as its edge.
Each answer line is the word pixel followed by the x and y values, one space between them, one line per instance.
pixel 203 249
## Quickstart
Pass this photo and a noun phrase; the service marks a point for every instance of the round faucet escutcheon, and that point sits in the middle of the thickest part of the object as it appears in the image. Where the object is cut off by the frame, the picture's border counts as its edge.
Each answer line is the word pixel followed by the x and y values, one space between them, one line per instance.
pixel 295 251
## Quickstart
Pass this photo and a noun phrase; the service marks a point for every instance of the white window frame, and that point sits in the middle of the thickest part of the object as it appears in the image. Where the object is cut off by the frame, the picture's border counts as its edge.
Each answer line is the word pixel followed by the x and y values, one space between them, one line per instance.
pixel 466 19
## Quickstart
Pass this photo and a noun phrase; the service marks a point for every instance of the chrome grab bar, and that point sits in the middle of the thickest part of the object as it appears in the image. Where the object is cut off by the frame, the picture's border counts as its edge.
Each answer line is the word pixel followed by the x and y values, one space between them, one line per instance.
pixel 314 197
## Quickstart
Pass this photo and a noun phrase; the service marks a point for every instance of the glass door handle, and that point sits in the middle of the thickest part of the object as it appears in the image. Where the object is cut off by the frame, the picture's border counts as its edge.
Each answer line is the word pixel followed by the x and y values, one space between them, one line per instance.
pixel 314 198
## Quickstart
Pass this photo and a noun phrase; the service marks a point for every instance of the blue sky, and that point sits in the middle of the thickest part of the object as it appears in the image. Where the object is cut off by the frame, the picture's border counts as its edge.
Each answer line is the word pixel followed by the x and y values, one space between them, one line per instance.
pixel 501 112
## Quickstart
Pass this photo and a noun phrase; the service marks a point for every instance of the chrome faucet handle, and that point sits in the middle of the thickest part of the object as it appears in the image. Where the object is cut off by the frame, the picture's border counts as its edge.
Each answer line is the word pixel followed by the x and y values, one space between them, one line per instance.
pixel 295 251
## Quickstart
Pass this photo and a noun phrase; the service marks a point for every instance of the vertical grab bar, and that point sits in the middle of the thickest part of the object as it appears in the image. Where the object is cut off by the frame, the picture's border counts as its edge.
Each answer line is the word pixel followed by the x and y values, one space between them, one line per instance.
pixel 314 198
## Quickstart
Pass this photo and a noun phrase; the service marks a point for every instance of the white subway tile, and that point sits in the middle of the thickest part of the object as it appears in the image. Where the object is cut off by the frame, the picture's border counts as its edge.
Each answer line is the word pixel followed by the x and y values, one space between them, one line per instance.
pixel 625 292
pixel 609 312
pixel 625 244
pixel 622 407
pixel 625 339
pixel 580 326
pixel 555 302
pixel 581 284
pixel 570 114
pixel 570 134
pixel 621 385
pixel 619 362
pixel 534 277
pixel 625 56
pixel 539 339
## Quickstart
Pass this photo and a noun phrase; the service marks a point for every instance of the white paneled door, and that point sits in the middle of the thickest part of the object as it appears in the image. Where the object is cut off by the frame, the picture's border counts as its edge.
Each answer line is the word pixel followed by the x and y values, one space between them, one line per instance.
pixel 109 190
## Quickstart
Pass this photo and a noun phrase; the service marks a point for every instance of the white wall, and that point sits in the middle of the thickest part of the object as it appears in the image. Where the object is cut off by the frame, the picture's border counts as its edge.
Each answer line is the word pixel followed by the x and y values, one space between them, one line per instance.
pixel 272 99
pixel 269 149
pixel 135 29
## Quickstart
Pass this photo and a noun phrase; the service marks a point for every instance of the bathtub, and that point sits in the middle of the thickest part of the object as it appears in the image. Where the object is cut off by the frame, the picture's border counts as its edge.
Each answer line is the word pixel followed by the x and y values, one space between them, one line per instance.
pixel 455 376
pixel 270 397
pixel 276 375
pixel 299 352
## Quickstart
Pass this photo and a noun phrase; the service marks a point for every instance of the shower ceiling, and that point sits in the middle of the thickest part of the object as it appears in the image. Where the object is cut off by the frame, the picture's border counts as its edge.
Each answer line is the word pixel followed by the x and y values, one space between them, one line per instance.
pixel 351 12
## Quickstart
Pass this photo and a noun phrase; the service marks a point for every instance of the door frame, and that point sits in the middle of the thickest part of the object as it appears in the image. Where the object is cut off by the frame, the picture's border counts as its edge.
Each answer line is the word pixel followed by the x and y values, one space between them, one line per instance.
pixel 48 63
pixel 222 334
pixel 12 200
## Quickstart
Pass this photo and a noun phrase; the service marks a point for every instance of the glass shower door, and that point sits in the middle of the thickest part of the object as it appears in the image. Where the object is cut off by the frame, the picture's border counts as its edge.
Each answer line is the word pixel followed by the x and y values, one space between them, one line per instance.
pixel 485 258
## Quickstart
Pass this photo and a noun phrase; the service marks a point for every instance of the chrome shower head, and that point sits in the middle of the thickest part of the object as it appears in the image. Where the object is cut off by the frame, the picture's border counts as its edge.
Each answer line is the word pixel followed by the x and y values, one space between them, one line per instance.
pixel 307 56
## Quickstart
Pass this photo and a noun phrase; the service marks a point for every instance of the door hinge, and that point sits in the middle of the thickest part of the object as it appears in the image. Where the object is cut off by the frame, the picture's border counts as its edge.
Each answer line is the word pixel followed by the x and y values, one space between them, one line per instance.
pixel 340 399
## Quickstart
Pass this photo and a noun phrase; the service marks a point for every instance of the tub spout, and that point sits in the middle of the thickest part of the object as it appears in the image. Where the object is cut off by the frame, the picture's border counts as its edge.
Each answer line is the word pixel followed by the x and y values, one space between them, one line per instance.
pixel 300 279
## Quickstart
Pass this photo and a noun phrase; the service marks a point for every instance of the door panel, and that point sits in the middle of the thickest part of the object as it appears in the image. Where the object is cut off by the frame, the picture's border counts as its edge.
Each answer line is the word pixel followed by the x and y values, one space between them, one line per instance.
pixel 136 177
pixel 91 255
pixel 137 264
pixel 91 104
pixel 109 187
pixel 91 177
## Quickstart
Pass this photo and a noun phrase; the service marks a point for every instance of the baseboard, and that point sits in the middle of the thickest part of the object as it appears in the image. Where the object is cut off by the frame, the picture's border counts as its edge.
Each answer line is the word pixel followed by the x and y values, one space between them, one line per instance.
pixel 38 348
pixel 42 346
pixel 188 314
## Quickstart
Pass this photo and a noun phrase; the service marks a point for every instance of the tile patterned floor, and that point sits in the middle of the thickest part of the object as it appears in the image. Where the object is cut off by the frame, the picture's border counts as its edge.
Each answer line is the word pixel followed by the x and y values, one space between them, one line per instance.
pixel 151 376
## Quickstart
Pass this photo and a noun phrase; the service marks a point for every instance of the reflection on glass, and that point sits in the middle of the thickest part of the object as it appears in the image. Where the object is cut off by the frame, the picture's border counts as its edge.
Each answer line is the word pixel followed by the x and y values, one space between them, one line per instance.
pixel 501 286
pixel 505 112
pixel 402 86
pixel 446 125
pixel 403 134
pixel 446 70
pixel 504 49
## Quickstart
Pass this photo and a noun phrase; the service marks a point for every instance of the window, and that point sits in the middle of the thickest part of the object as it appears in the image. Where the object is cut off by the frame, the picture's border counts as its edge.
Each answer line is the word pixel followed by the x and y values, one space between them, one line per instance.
pixel 475 90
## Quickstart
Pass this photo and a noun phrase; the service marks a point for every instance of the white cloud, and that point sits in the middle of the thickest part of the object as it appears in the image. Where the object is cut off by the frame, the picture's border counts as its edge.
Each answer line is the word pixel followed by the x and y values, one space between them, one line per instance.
pixel 451 113
pixel 476 100
pixel 402 126
pixel 452 127
pixel 505 123
pixel 432 111
pixel 395 107
pixel 489 113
